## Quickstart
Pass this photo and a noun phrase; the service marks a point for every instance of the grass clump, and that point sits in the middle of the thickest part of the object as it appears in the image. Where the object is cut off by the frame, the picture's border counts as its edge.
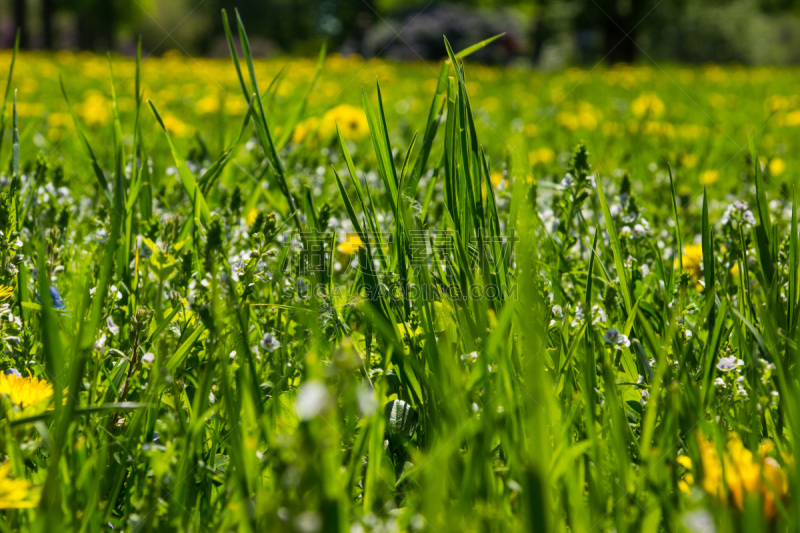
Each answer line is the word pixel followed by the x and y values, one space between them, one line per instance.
pixel 397 341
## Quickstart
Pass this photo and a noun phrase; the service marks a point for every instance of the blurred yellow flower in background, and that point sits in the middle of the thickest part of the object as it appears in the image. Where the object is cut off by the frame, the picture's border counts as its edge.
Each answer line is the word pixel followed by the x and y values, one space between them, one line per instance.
pixel 541 156
pixel 776 166
pixel 689 160
pixel 351 244
pixel 688 478
pixel 95 109
pixel 176 126
pixel 304 129
pixel 709 177
pixel 741 472
pixel 207 105
pixel 648 104
pixel 496 178
pixel 15 493
pixel 693 261
pixel 351 121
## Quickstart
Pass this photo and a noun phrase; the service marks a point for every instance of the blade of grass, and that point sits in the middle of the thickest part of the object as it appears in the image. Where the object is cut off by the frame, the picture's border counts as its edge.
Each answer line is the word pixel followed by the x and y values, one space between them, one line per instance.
pixel 187 179
pixel 619 261
pixel 8 90
pixel 98 171
pixel 288 128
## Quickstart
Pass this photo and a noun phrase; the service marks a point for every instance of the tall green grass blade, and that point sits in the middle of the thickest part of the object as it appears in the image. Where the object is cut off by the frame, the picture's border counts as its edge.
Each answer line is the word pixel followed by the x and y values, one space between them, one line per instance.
pixel 709 265
pixel 213 172
pixel 619 260
pixel 187 179
pixel 98 171
pixel 289 127
pixel 794 270
pixel 382 151
pixel 477 46
pixel 264 132
pixel 679 250
pixel 15 144
pixel 8 90
pixel 763 231
pixel 234 54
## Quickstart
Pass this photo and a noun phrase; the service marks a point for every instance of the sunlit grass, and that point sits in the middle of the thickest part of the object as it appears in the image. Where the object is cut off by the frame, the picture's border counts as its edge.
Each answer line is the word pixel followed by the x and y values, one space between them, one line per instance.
pixel 275 300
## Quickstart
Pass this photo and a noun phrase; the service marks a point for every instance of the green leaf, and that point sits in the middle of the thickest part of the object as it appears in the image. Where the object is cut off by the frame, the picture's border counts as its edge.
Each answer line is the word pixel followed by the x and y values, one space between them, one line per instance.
pixel 184 173
pixel 162 265
pixel 403 419
pixel 475 47
pixel 615 246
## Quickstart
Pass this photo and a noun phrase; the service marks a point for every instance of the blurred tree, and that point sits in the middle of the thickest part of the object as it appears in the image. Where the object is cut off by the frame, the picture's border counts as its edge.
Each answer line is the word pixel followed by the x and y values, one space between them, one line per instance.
pixel 355 17
pixel 21 21
pixel 47 23
pixel 294 26
pixel 619 23
pixel 552 32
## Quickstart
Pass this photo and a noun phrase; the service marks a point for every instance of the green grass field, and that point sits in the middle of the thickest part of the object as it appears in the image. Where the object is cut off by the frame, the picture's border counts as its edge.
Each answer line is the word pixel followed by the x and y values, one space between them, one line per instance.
pixel 280 296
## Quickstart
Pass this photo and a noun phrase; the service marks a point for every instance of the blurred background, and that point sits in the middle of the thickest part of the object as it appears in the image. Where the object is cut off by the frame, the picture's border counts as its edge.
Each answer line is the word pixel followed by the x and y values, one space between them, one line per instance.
pixel 546 34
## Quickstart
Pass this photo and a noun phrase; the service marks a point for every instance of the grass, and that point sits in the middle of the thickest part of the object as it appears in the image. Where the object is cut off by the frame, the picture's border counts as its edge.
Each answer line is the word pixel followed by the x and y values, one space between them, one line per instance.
pixel 307 324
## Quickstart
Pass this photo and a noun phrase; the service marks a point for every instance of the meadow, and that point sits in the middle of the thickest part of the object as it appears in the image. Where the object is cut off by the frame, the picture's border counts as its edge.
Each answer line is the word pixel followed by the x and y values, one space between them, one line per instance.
pixel 352 295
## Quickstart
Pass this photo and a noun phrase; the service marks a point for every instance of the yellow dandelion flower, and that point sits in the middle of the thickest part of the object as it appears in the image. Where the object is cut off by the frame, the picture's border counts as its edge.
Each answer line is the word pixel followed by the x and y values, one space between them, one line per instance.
pixel 648 104
pixel 740 471
pixel 303 129
pixel 792 118
pixel 351 121
pixel 496 178
pixel 35 109
pixel 693 261
pixel 351 244
pixel 207 105
pixel 176 127
pixel 15 493
pixel 24 391
pixel 689 160
pixel 687 480
pixel 252 215
pixel 776 166
pixel 59 120
pixel 541 156
pixel 6 292
pixel 735 272
pixel 776 102
pixel 716 100
pixel 709 177
pixel 95 108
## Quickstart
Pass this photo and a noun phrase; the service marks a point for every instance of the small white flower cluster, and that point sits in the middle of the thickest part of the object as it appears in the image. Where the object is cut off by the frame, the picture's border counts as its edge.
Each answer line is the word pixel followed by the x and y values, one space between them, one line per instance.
pixel 62 195
pixel 645 393
pixel 550 220
pixel 269 343
pixel 726 364
pixel 731 366
pixel 639 231
pixel 558 314
pixel 598 315
pixel 614 337
pixel 738 212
